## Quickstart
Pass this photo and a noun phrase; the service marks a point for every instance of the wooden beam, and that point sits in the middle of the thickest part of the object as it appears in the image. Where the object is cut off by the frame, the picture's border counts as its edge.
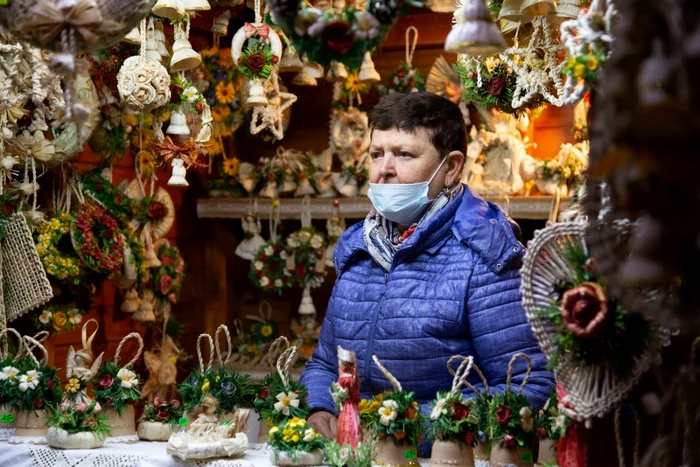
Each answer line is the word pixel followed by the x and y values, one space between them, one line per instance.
pixel 215 301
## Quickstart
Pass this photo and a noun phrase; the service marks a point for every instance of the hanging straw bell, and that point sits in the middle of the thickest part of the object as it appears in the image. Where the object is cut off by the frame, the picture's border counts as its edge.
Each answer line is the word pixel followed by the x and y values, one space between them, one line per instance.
pixel 566 10
pixel 537 7
pixel 134 37
pixel 171 9
pixel 145 313
pixel 511 12
pixel 178 124
pixel 313 69
pixel 478 35
pixel 179 173
pixel 368 74
pixel 304 79
pixel 256 93
pixel 307 304
pixel 184 57
pixel 160 39
pixel 220 27
pixel 131 302
pixel 152 49
pixel 196 5
pixel 290 61
pixel 336 72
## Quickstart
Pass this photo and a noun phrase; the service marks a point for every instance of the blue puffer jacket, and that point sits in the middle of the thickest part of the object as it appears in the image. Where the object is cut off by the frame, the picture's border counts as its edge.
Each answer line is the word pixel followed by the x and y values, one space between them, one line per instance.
pixel 453 289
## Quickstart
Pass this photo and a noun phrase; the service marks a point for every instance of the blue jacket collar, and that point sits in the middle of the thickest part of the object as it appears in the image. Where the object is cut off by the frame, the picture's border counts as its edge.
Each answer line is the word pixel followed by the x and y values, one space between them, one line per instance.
pixel 479 224
pixel 485 228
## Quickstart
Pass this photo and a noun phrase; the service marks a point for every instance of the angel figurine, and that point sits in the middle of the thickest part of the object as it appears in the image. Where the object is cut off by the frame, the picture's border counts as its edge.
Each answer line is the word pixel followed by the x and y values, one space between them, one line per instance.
pixel 349 431
pixel 80 368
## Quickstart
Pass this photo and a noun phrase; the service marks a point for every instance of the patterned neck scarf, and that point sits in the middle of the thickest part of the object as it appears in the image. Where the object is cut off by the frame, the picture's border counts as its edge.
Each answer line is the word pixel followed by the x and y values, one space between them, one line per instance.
pixel 383 237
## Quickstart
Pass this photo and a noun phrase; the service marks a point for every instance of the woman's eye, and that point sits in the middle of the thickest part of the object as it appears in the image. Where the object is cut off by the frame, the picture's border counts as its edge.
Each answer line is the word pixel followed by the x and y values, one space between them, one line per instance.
pixel 405 154
pixel 375 155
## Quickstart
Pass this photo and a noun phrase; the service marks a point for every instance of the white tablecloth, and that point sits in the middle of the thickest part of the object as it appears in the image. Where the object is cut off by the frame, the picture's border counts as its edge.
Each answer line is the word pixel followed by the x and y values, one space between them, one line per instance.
pixel 142 454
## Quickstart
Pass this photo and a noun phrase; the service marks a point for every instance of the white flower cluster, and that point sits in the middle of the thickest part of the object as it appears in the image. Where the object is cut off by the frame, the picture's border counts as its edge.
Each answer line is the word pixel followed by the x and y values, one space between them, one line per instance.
pixel 29 380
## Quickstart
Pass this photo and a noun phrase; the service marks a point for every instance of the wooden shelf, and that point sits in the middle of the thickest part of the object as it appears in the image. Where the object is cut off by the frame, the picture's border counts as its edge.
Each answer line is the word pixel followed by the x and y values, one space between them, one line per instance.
pixel 521 207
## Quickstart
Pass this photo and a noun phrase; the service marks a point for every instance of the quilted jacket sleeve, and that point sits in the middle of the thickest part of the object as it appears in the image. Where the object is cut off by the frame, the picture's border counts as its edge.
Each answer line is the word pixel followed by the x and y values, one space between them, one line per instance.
pixel 499 329
pixel 321 370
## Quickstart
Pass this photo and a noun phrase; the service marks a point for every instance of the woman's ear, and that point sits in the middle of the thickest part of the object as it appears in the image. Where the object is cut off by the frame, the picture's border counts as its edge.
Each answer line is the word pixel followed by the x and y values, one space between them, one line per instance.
pixel 455 163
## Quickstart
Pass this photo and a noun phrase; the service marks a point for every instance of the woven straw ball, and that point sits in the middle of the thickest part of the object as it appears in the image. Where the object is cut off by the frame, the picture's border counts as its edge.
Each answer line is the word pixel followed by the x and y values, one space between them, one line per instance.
pixel 95 23
pixel 143 84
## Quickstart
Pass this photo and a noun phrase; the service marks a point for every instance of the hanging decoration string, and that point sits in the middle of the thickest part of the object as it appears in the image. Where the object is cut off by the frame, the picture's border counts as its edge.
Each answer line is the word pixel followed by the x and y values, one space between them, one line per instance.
pixel 258 14
pixel 223 328
pixel 274 348
pixel 462 372
pixel 511 364
pixel 618 437
pixel 411 47
pixel 274 220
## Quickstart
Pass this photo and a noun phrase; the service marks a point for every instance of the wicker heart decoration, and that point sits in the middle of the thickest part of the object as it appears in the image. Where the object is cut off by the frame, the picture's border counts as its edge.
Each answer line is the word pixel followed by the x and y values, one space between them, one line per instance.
pixel 559 288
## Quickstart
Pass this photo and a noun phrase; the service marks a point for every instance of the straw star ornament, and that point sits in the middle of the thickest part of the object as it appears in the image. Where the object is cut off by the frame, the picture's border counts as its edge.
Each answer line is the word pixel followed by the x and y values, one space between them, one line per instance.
pixel 271 116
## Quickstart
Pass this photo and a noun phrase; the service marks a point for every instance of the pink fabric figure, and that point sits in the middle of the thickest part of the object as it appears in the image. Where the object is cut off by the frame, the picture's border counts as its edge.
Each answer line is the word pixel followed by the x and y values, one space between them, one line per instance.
pixel 349 431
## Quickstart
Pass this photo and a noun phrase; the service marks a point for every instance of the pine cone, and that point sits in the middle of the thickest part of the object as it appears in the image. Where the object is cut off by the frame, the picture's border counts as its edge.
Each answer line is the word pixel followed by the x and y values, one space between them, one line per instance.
pixel 284 9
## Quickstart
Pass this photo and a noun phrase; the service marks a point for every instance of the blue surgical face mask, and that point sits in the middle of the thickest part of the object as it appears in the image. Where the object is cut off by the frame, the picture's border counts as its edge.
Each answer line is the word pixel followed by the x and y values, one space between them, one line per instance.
pixel 403 203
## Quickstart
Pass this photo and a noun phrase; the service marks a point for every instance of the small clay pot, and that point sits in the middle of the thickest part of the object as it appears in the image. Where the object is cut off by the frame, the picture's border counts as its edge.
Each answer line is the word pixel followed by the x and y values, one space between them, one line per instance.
pixel 519 457
pixel 391 455
pixel 452 453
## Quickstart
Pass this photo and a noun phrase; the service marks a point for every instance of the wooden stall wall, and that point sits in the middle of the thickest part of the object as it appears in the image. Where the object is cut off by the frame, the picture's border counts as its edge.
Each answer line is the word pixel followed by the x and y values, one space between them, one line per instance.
pixel 217 288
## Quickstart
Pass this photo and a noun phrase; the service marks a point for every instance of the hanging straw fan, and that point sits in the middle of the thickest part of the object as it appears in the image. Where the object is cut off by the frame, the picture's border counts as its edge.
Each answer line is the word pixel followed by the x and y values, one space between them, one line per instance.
pixel 160 229
pixel 87 25
pixel 594 388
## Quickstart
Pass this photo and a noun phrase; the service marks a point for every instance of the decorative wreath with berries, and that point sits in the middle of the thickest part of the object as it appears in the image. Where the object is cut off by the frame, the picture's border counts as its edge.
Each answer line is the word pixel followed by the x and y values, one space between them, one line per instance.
pixel 268 270
pixel 305 249
pixel 490 84
pixel 405 79
pixel 256 49
pixel 97 239
pixel 342 35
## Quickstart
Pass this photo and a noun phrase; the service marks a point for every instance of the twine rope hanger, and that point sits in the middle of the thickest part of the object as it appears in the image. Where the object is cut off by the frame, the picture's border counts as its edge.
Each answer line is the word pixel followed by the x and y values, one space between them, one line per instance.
pixel 274 347
pixel 283 363
pixel 223 328
pixel 411 47
pixel 117 354
pixel 473 366
pixel 202 369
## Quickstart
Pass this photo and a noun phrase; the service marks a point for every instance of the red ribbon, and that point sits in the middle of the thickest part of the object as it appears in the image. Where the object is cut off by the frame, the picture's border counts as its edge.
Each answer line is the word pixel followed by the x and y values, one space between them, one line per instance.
pixel 251 30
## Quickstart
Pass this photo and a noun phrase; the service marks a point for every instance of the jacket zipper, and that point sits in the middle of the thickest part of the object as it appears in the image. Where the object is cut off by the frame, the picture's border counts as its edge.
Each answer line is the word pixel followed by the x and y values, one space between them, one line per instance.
pixel 370 344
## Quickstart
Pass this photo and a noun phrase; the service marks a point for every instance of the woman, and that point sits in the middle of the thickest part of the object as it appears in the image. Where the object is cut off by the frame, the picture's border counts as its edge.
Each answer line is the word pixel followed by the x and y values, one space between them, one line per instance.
pixel 432 272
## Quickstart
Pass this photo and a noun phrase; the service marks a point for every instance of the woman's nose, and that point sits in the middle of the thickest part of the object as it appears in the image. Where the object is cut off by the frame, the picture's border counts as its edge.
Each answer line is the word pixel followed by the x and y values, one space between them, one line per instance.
pixel 387 169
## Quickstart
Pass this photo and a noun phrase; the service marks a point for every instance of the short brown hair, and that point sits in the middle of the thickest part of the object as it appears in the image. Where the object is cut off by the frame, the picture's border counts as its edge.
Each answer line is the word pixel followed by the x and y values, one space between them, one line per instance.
pixel 405 112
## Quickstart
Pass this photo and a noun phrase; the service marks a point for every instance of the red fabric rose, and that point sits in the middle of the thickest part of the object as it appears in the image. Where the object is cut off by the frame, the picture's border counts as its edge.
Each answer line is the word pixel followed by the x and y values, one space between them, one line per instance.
pixel 460 412
pixel 165 284
pixel 584 310
pixel 337 37
pixel 255 63
pixel 472 75
pixel 199 107
pixel 163 415
pixel 157 402
pixel 167 260
pixel 509 441
pixel 469 438
pixel 496 85
pixel 503 415
pixel 542 432
pixel 106 381
pixel 38 403
pixel 262 257
pixel 156 210
pixel 50 384
pixel 175 94
pixel 264 392
pixel 277 249
pixel 301 271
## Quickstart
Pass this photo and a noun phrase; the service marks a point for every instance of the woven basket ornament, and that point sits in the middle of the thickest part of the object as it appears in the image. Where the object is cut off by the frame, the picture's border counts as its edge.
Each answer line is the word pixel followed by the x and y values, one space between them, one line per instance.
pixel 593 390
pixel 24 280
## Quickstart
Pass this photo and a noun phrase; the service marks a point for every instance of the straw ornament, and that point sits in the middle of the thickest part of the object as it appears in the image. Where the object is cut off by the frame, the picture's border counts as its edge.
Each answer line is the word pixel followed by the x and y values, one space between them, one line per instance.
pixel 229 347
pixel 212 351
pixel 394 382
